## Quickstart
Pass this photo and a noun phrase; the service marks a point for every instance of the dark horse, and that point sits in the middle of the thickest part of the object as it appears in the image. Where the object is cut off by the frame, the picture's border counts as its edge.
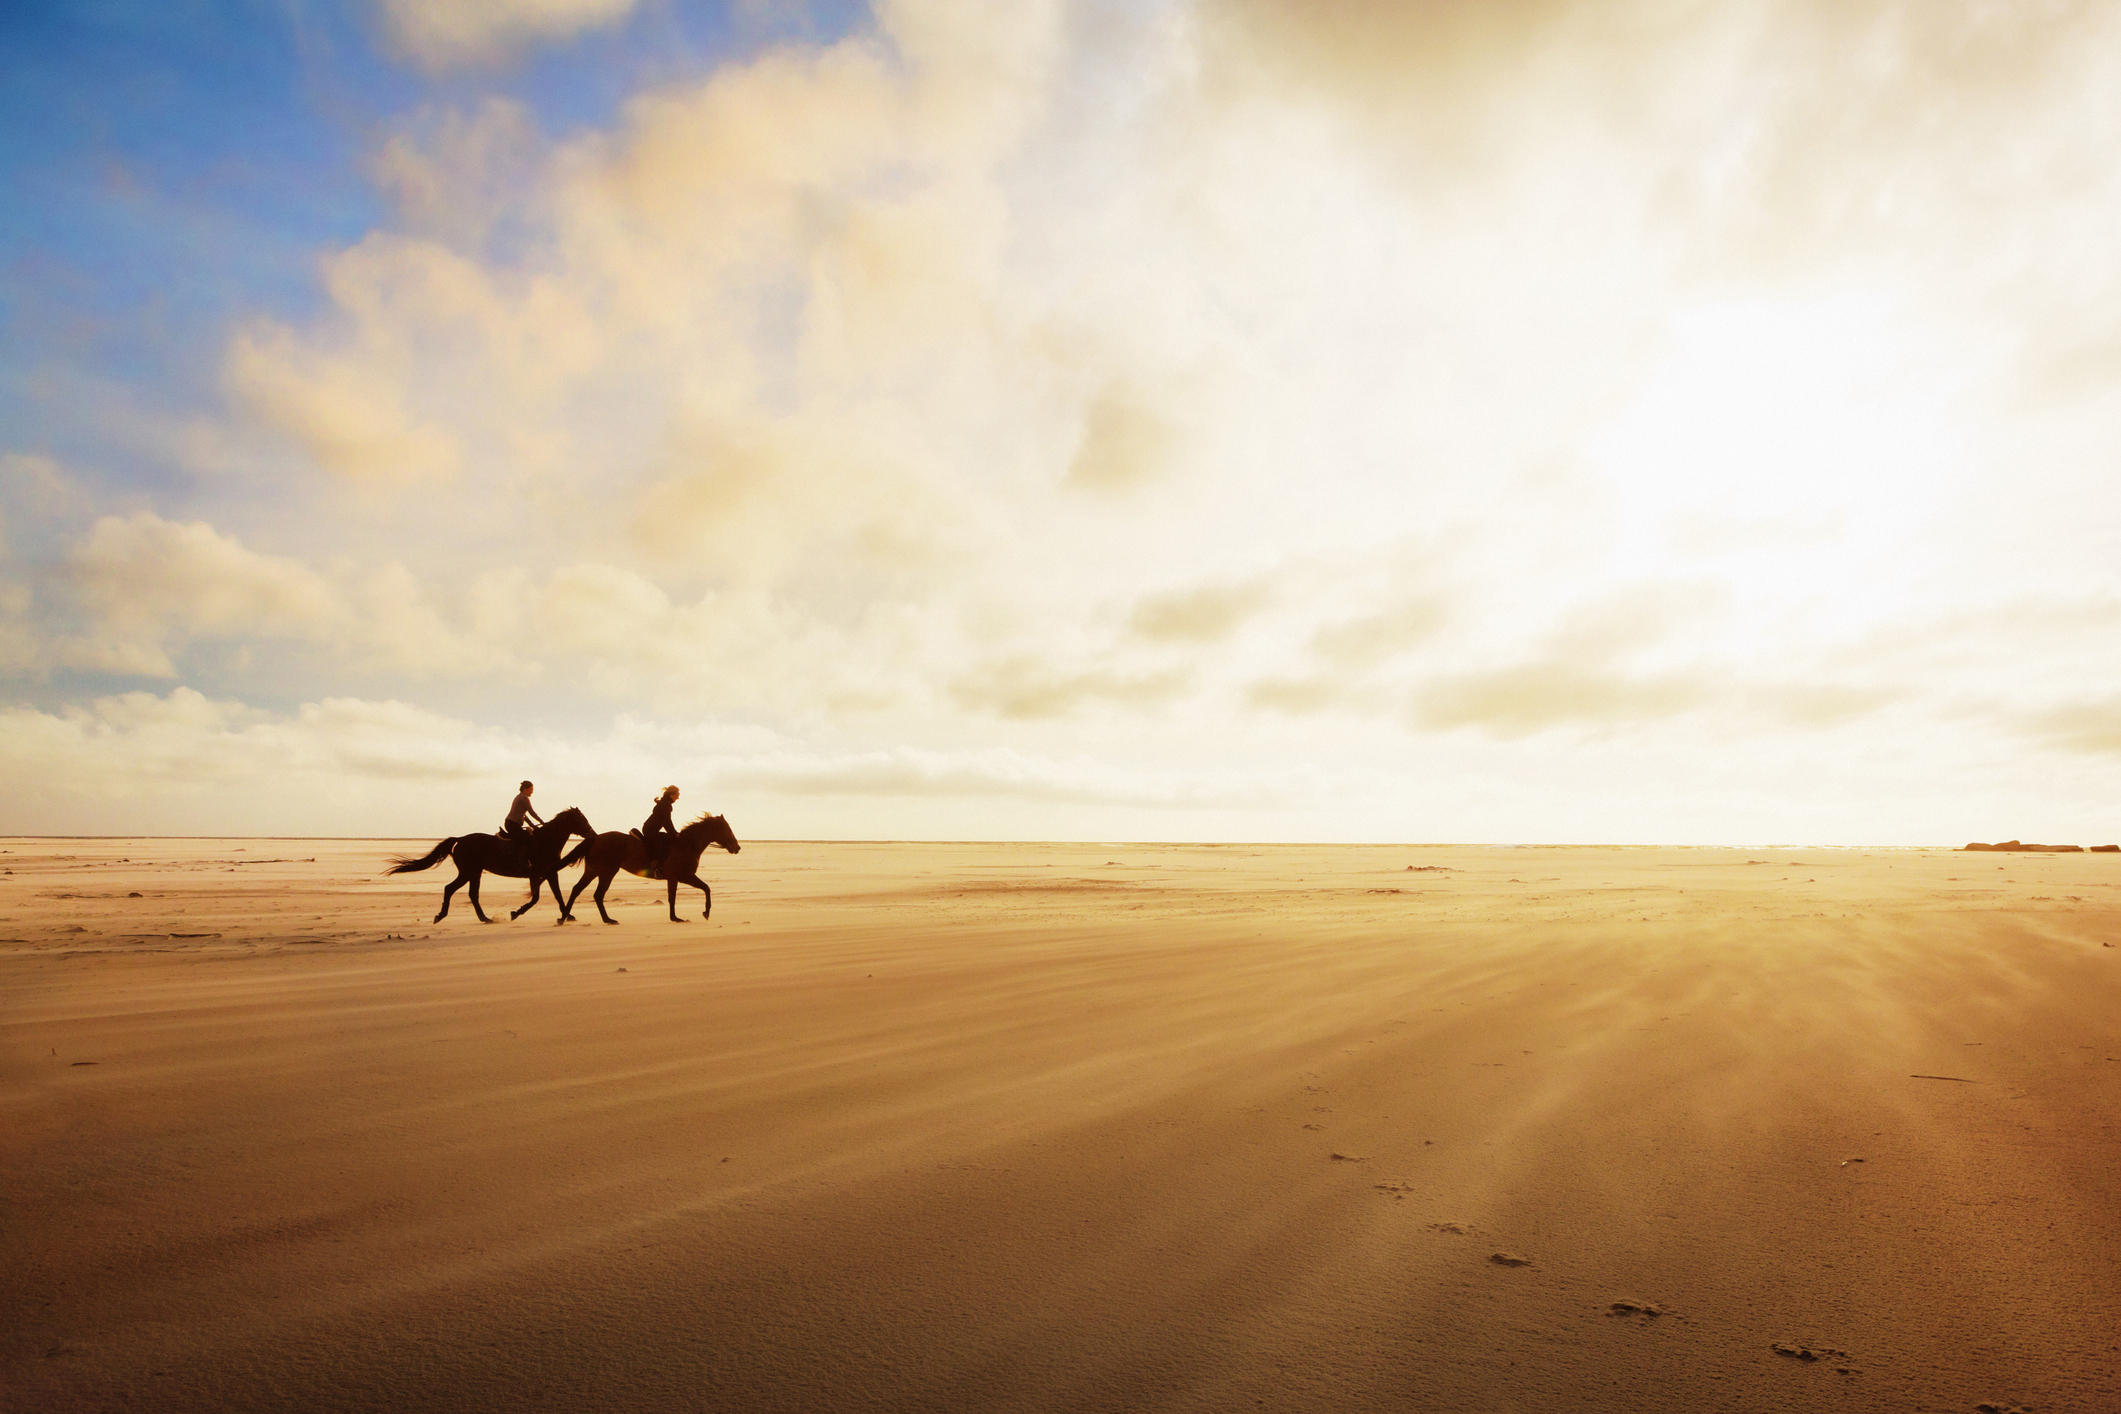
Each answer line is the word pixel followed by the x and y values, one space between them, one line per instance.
pixel 608 854
pixel 537 859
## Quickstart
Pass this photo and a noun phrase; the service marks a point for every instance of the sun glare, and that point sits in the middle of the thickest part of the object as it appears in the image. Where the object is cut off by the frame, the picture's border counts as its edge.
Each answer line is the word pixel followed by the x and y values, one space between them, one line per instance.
pixel 1783 448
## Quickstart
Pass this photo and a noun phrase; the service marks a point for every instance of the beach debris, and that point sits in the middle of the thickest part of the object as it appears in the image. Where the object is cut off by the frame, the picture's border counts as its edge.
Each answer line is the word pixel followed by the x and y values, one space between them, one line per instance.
pixel 1429 869
pixel 622 969
pixel 1402 1189
pixel 1991 1407
pixel 1646 1309
pixel 1846 1162
pixel 1509 1259
pixel 1955 1079
pixel 1454 1229
pixel 134 894
pixel 87 1062
pixel 1340 1158
pixel 1806 1353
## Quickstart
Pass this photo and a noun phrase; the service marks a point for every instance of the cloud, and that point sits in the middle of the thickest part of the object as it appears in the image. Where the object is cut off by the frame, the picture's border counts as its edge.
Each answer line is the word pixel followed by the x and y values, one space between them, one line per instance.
pixel 36 495
pixel 445 35
pixel 997 772
pixel 1297 695
pixel 35 492
pixel 348 413
pixel 2091 727
pixel 148 586
pixel 186 763
pixel 1533 697
pixel 457 176
pixel 1023 688
pixel 1514 382
pixel 144 580
pixel 1373 638
pixel 1125 442
pixel 1199 615
pixel 141 573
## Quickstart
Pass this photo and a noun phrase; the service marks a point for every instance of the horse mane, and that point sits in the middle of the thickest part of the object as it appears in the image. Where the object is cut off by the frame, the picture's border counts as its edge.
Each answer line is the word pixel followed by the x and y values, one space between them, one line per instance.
pixel 697 826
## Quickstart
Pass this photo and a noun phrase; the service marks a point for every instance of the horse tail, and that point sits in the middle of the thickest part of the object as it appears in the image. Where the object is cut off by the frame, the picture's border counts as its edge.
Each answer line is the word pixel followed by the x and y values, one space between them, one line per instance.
pixel 410 865
pixel 575 854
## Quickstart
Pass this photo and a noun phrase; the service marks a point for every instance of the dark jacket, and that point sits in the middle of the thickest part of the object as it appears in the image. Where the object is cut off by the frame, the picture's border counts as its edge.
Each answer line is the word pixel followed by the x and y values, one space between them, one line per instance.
pixel 658 822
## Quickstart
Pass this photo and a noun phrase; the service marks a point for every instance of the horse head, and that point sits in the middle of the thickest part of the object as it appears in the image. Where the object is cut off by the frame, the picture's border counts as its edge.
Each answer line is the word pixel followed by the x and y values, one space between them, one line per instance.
pixel 576 822
pixel 711 829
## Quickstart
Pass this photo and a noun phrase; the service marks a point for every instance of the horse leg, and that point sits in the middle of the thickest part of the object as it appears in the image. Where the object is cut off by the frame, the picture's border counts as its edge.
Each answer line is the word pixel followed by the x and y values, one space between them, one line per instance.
pixel 701 884
pixel 603 884
pixel 535 881
pixel 674 903
pixel 475 897
pixel 454 885
pixel 580 885
pixel 566 904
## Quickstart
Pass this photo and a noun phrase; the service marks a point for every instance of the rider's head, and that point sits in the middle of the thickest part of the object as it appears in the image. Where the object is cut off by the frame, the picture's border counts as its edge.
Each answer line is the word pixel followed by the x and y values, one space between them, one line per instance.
pixel 670 792
pixel 527 787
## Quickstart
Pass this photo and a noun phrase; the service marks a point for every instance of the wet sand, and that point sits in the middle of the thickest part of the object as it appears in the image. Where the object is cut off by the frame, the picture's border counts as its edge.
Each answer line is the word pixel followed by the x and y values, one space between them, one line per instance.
pixel 1064 1127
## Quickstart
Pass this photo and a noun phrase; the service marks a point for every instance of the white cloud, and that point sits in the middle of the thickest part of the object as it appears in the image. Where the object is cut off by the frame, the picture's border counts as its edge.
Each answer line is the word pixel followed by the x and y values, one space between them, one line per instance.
pixel 444 33
pixel 184 763
pixel 995 772
pixel 147 587
pixel 1187 385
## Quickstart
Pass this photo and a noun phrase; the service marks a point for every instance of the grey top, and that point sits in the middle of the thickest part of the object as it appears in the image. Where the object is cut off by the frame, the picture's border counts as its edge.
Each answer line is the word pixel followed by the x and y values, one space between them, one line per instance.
pixel 517 811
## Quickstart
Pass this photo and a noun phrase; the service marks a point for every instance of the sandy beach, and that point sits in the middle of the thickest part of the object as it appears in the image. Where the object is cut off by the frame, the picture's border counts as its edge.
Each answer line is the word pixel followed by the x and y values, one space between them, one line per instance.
pixel 1068 1127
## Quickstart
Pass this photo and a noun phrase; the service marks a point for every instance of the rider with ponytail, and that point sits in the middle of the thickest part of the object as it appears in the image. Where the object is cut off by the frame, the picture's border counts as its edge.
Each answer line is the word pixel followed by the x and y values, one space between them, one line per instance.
pixel 657 831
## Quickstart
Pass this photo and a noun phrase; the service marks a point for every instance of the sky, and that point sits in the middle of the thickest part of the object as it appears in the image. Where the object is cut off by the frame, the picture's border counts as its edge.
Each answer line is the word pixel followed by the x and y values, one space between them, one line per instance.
pixel 1535 421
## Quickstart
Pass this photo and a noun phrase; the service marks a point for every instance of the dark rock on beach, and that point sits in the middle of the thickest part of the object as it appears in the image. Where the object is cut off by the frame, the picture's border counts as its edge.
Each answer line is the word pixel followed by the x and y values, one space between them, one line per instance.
pixel 2014 846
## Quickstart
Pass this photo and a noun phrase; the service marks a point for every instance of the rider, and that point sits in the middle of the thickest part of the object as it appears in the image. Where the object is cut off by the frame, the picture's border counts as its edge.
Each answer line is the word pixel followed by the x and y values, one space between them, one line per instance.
pixel 657 831
pixel 513 827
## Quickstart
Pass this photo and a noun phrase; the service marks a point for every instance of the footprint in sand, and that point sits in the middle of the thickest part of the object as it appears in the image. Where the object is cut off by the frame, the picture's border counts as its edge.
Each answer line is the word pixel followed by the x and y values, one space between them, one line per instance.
pixel 1509 1259
pixel 1808 1354
pixel 1351 1158
pixel 1454 1229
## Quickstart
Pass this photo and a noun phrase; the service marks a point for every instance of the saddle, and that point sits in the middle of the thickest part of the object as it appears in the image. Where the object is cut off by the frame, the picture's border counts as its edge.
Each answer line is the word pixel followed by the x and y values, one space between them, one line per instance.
pixel 516 845
pixel 650 852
